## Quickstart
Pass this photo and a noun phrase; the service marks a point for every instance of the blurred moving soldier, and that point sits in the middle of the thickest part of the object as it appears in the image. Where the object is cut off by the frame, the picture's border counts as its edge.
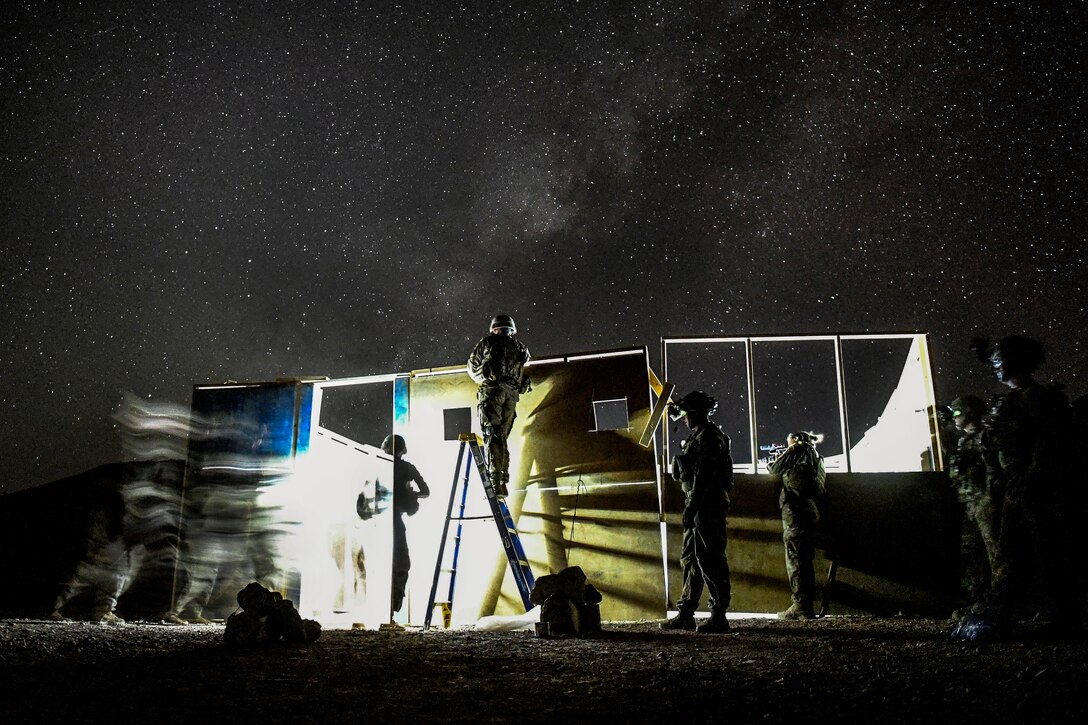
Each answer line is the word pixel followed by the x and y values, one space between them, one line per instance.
pixel 801 470
pixel 105 569
pixel 497 365
pixel 982 496
pixel 405 501
pixel 1030 436
pixel 216 552
pixel 704 469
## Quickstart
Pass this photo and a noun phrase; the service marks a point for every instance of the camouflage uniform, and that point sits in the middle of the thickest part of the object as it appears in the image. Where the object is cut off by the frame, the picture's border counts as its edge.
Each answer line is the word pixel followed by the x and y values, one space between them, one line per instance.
pixel 705 472
pixel 1027 451
pixel 982 496
pixel 215 553
pixel 496 364
pixel 802 471
pixel 106 569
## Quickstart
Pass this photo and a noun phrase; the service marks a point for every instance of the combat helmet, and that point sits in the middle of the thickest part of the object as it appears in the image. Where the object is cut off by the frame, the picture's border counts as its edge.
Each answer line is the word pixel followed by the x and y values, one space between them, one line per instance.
pixel 694 402
pixel 394 445
pixel 969 407
pixel 1016 355
pixel 504 322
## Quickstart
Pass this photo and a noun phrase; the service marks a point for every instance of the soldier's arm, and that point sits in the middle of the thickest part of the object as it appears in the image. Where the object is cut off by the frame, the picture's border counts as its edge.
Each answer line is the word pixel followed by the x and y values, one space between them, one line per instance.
pixel 476 363
pixel 414 475
pixel 779 465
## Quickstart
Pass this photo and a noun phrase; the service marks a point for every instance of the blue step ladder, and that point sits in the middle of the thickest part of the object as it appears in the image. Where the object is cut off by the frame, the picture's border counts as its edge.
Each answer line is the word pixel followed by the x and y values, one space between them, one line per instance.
pixel 500 512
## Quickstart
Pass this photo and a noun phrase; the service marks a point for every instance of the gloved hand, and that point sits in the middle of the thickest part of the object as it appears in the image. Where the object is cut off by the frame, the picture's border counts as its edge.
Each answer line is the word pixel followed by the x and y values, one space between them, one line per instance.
pixel 689 518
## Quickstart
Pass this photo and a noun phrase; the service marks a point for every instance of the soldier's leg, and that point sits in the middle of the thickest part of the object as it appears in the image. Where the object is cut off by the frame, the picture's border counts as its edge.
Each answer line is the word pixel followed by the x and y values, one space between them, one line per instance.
pixel 792 536
pixel 1055 559
pixel 202 572
pixel 70 590
pixel 360 573
pixel 799 520
pixel 807 551
pixel 86 578
pixel 988 521
pixel 710 543
pixel 401 562
pixel 1011 567
pixel 91 571
pixel 509 413
pixel 975 561
pixel 489 408
pixel 692 588
pixel 115 577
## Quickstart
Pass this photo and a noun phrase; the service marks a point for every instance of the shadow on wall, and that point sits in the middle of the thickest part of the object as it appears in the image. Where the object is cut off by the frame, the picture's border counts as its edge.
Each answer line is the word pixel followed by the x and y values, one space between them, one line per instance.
pixel 895 537
pixel 561 447
pixel 610 531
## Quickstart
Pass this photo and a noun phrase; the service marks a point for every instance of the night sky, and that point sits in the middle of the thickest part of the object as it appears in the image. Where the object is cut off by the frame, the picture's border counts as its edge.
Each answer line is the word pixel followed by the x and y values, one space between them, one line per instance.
pixel 195 192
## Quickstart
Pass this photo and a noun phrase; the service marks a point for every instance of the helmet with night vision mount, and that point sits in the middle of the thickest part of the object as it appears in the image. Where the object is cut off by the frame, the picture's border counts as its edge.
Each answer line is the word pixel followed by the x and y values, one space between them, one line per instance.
pixel 694 402
pixel 504 322
pixel 969 407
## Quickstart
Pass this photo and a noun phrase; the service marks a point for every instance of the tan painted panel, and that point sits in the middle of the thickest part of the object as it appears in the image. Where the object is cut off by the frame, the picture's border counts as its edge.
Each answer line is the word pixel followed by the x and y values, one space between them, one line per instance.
pixel 895 536
pixel 579 496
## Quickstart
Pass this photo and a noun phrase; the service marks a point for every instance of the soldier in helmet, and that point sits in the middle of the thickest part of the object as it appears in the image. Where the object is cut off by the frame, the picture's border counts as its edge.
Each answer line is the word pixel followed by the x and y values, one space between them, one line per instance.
pixel 405 501
pixel 497 364
pixel 801 470
pixel 704 469
pixel 981 495
pixel 1036 567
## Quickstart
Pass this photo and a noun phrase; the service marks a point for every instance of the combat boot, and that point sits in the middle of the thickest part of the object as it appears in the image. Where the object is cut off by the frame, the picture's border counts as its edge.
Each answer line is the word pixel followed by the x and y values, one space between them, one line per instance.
pixel 498 482
pixel 683 620
pixel 716 624
pixel 798 611
pixel 110 618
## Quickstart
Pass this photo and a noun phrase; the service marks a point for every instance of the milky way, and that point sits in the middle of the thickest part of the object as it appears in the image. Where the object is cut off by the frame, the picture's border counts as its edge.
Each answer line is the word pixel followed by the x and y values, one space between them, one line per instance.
pixel 196 192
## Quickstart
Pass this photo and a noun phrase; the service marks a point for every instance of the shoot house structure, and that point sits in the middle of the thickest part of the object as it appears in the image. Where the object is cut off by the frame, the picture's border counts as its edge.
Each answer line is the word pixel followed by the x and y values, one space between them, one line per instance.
pixel 589 481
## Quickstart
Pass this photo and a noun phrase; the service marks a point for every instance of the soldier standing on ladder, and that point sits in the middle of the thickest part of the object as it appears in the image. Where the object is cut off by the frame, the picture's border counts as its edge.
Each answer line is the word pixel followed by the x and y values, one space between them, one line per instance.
pixel 496 364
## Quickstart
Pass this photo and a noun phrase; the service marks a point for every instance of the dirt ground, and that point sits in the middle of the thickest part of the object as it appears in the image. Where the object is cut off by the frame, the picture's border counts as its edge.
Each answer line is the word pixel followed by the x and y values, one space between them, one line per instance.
pixel 837 668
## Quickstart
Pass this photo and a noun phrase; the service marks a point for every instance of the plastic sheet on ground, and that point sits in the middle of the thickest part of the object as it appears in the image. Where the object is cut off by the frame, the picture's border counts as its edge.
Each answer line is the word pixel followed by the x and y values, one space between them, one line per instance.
pixel 497 623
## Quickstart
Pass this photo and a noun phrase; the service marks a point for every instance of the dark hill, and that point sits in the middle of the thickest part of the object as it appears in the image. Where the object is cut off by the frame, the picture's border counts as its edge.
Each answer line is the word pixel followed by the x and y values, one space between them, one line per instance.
pixel 55 533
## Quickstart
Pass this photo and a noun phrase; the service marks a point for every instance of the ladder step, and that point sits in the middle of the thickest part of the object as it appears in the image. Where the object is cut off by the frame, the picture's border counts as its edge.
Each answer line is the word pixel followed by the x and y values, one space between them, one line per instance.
pixel 500 513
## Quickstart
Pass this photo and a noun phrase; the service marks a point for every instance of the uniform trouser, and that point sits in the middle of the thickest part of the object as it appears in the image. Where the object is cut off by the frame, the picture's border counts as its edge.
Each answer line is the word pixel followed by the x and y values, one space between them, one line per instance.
pixel 402 562
pixel 978 547
pixel 703 562
pixel 213 562
pixel 975 565
pixel 986 513
pixel 496 406
pixel 1034 565
pixel 105 572
pixel 800 518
